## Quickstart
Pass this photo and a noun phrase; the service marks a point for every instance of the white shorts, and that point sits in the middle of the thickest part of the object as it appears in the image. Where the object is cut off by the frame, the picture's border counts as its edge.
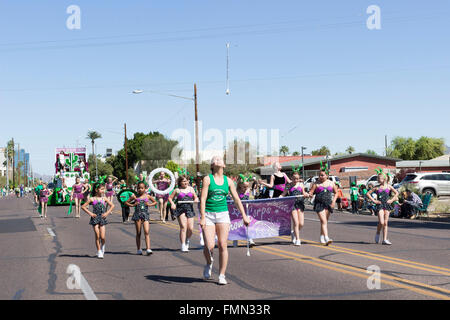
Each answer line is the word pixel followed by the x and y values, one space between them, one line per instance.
pixel 213 218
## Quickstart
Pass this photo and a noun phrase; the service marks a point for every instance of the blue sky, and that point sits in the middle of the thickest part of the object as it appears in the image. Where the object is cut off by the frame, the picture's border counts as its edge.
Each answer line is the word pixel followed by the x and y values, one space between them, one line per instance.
pixel 312 66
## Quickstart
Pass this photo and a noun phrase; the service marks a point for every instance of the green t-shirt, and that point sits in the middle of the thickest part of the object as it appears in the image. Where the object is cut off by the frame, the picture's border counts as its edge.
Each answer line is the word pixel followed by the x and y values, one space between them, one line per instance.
pixel 124 196
pixel 353 193
pixel 217 196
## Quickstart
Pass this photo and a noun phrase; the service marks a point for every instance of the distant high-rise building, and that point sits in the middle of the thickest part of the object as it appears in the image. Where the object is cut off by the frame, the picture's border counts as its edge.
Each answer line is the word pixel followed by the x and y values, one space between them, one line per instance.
pixel 108 153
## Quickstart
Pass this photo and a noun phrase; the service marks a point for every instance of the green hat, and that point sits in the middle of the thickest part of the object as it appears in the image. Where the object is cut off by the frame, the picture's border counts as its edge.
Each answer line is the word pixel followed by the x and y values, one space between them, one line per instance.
pixel 353 183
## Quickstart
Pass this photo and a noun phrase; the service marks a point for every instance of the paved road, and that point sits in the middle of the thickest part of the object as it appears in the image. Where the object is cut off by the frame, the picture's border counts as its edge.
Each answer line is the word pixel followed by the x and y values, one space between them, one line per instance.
pixel 35 255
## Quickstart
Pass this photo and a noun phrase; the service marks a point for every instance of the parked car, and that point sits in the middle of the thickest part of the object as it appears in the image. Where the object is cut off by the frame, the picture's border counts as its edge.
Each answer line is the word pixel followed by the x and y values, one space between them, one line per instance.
pixel 371 182
pixel 308 182
pixel 436 183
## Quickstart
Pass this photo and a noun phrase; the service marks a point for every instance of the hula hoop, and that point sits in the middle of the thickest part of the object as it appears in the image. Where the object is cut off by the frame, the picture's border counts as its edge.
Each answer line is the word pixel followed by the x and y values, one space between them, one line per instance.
pixel 172 181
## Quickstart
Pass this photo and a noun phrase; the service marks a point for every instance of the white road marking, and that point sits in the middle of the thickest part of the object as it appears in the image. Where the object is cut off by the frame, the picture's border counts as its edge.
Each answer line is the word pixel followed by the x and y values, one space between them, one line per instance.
pixel 319 220
pixel 50 231
pixel 78 281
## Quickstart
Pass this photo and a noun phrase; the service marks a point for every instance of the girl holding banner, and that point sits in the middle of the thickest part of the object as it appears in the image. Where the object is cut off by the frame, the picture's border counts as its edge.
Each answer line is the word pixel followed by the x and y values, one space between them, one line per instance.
pixel 278 181
pixel 184 212
pixel 297 189
pixel 324 201
pixel 214 216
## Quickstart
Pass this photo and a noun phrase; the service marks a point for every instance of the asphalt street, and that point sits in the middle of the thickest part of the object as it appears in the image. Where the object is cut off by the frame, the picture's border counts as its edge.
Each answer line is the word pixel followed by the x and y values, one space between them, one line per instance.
pixel 35 255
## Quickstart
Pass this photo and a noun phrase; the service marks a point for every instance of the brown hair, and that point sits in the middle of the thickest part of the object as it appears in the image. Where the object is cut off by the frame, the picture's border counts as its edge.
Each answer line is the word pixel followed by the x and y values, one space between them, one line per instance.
pixel 180 179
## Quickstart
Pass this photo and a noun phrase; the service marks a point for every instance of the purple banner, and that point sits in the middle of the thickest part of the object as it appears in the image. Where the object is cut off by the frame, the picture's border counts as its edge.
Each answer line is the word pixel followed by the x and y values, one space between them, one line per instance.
pixel 268 218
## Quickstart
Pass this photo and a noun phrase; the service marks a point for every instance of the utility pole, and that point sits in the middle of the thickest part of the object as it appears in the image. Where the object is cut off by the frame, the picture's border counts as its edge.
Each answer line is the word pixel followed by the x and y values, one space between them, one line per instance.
pixel 7 167
pixel 126 155
pixel 25 173
pixel 18 162
pixel 385 146
pixel 197 156
pixel 13 164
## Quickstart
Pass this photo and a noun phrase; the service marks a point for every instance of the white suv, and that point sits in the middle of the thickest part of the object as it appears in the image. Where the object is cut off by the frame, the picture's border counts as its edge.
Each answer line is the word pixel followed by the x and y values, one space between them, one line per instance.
pixel 436 183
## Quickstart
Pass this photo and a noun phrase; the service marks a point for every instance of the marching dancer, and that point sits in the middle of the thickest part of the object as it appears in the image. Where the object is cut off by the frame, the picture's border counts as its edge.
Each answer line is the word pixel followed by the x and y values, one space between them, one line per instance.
pixel 98 216
pixel 243 190
pixel 278 181
pixel 77 194
pixel 141 216
pixel 383 204
pixel 324 201
pixel 43 198
pixel 162 184
pixel 184 212
pixel 110 187
pixel 297 189
pixel 214 216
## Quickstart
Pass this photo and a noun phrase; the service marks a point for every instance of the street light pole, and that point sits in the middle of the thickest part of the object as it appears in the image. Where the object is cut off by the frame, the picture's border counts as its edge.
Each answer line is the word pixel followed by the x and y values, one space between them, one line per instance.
pixel 126 155
pixel 303 167
pixel 197 156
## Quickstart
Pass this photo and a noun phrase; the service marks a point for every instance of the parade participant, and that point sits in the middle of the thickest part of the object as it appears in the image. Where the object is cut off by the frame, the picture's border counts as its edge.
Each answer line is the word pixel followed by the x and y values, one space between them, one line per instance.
pixel 77 194
pixel 141 216
pixel 110 187
pixel 383 204
pixel 43 198
pixel 61 162
pixel 278 181
pixel 354 194
pixel 123 197
pixel 296 188
pixel 214 216
pixel 324 201
pixel 243 190
pixel 161 184
pixel 88 189
pixel 98 216
pixel 184 212
pixel 37 191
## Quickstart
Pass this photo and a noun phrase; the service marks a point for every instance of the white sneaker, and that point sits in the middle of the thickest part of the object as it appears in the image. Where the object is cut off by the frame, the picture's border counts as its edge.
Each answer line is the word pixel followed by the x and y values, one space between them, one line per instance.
pixel 139 252
pixel 322 239
pixel 100 254
pixel 387 242
pixel 207 271
pixel 293 237
pixel 377 238
pixel 328 240
pixel 251 243
pixel 103 249
pixel 149 251
pixel 222 280
pixel 202 242
pixel 297 242
pixel 184 248
pixel 188 242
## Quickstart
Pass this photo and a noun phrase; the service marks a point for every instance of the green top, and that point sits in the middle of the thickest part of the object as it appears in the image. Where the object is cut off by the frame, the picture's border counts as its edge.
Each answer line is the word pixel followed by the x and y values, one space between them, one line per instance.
pixel 217 196
pixel 38 188
pixel 124 197
pixel 354 193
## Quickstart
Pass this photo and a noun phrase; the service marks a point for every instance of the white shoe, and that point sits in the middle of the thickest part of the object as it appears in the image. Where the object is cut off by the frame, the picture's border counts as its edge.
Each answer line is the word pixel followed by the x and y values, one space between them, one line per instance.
pixel 207 271
pixel 222 279
pixel 328 240
pixel 297 242
pixel 387 242
pixel 188 242
pixel 202 242
pixel 377 238
pixel 184 248
pixel 100 254
pixel 149 251
pixel 251 243
pixel 103 249
pixel 139 252
pixel 322 239
pixel 293 237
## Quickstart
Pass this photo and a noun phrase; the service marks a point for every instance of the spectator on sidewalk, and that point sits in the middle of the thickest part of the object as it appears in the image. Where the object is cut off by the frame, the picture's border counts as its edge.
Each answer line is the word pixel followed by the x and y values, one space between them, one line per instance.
pixel 354 197
pixel 410 204
pixel 339 197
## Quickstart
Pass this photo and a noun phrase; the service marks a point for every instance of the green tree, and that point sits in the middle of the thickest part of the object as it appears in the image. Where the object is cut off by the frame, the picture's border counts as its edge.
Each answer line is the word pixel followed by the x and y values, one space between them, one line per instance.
pixel 403 148
pixel 239 165
pixel 103 168
pixel 157 151
pixel 93 135
pixel 371 152
pixel 284 150
pixel 323 151
pixel 295 153
pixel 350 150
pixel 172 166
pixel 429 148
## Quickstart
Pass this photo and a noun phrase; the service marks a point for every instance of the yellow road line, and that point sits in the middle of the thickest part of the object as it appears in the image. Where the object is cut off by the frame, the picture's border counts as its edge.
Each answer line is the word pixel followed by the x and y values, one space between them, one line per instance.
pixel 336 266
pixel 369 255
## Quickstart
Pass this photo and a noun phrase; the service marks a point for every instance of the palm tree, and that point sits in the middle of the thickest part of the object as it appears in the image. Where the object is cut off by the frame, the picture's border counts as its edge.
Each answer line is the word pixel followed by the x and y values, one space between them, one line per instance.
pixel 93 135
pixel 284 150
pixel 350 150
